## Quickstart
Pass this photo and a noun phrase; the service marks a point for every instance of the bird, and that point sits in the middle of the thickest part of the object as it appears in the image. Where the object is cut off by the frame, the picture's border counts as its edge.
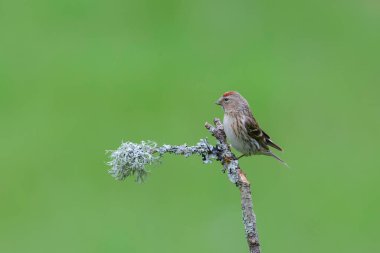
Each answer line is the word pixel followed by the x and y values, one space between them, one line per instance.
pixel 242 129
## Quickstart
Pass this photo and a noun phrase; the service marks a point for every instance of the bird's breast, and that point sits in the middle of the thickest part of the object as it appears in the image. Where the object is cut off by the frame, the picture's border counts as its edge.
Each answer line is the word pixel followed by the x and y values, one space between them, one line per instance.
pixel 227 123
pixel 230 123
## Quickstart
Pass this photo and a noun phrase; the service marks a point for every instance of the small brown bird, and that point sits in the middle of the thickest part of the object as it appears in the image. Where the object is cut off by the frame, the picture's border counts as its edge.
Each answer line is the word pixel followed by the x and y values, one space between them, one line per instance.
pixel 242 129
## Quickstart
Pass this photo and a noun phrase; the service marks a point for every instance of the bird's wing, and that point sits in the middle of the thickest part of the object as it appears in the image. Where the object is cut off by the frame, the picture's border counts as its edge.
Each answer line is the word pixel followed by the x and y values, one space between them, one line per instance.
pixel 255 132
pixel 270 142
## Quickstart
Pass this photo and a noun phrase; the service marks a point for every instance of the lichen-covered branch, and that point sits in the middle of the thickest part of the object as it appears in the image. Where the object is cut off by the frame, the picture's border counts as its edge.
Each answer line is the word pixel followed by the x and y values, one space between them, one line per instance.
pixel 249 217
pixel 131 159
pixel 228 158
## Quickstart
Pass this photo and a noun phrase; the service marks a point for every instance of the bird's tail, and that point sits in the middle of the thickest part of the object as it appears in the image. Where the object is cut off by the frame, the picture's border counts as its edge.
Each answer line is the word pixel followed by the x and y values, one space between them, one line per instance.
pixel 269 153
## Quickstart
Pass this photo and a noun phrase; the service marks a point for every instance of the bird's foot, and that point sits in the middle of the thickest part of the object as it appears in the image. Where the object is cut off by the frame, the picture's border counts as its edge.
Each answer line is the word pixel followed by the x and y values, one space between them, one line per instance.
pixel 228 159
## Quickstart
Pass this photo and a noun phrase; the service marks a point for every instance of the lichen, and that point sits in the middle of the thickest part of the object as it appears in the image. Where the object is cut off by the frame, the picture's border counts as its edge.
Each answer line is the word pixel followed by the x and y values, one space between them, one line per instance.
pixel 132 158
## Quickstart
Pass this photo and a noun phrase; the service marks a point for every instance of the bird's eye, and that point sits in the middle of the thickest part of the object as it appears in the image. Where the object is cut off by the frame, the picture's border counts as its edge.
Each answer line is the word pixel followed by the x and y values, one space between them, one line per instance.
pixel 226 99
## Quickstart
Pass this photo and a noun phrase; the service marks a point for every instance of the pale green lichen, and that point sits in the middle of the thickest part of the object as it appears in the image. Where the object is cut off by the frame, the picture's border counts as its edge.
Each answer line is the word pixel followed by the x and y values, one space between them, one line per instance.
pixel 132 158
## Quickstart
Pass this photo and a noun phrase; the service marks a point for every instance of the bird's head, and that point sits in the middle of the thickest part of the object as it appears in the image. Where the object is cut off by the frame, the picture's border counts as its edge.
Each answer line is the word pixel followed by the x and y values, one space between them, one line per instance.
pixel 232 101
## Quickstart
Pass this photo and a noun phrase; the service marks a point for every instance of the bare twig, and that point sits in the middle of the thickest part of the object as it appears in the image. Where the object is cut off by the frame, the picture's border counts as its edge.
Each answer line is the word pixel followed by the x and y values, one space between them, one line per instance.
pixel 131 159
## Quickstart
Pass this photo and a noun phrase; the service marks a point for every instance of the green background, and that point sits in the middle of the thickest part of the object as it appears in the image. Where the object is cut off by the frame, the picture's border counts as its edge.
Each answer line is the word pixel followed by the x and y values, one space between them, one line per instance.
pixel 78 76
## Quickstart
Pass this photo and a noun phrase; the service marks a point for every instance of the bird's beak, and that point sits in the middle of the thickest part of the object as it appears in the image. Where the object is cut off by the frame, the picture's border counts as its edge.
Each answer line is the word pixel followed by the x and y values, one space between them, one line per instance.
pixel 218 102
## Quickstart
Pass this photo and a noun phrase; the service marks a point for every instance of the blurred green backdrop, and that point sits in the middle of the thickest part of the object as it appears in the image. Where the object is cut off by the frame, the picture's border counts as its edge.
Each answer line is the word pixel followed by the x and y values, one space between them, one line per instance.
pixel 77 77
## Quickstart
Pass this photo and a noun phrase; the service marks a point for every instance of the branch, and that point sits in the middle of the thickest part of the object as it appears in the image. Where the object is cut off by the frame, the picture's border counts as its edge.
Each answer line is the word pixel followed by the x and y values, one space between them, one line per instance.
pixel 130 159
pixel 249 217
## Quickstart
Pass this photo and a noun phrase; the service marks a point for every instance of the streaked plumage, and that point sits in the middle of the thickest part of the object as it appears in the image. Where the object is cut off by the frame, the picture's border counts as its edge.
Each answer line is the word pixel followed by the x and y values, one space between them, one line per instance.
pixel 242 130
